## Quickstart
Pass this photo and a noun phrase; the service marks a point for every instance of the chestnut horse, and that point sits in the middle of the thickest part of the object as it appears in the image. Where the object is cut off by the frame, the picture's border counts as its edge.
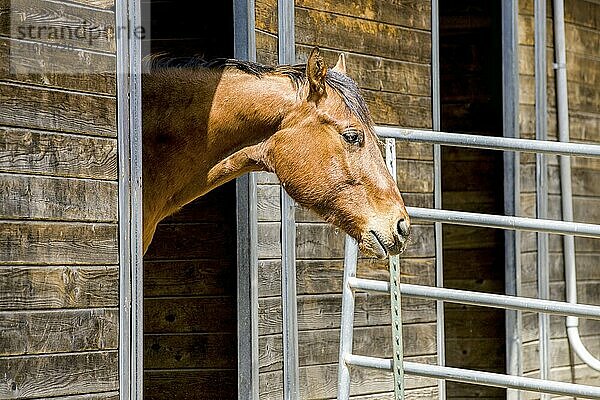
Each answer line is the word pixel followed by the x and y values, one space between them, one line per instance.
pixel 206 123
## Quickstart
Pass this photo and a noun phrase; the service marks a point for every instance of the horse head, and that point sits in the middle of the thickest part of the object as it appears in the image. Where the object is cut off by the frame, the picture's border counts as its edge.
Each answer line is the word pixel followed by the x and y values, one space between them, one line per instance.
pixel 327 156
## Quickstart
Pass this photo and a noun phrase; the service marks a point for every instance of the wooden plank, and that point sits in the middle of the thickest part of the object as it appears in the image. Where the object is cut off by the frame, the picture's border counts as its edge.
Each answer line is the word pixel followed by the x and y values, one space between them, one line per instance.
pixel 266 48
pixel 65 24
pixel 199 351
pixel 24 288
pixel 189 278
pixel 324 312
pixel 59 375
pixel 325 276
pixel 58 243
pixel 31 197
pixel 483 354
pixel 46 109
pixel 94 396
pixel 399 109
pixel 55 66
pixel 190 315
pixel 377 73
pixel 38 332
pixel 461 237
pixel 44 153
pixel 322 346
pixel 191 241
pixel 322 240
pixel 560 353
pixel 362 36
pixel 320 381
pixel 190 385
pixel 412 14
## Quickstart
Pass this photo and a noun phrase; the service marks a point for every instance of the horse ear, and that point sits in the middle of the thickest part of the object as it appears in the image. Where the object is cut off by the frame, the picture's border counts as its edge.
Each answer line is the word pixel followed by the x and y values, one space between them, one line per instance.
pixel 316 70
pixel 340 66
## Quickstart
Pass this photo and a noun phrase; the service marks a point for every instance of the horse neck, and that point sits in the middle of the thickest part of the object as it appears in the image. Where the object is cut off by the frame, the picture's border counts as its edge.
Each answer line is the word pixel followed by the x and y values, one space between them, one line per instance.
pixel 197 125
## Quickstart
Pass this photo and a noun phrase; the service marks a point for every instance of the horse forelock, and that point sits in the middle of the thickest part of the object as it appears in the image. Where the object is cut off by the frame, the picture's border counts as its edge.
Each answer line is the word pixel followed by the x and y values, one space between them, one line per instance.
pixel 342 84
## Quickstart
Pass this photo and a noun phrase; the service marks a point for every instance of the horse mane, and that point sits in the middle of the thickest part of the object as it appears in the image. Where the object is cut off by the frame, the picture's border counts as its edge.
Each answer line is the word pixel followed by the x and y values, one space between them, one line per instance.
pixel 342 84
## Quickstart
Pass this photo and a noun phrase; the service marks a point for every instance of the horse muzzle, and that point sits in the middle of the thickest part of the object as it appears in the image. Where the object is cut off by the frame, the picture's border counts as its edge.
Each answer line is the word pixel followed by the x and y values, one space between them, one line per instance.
pixel 381 243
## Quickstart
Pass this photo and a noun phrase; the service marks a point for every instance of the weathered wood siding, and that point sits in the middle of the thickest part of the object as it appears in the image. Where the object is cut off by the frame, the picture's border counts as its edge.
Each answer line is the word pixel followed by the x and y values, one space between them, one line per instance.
pixel 472 180
pixel 388 47
pixel 58 203
pixel 190 274
pixel 583 72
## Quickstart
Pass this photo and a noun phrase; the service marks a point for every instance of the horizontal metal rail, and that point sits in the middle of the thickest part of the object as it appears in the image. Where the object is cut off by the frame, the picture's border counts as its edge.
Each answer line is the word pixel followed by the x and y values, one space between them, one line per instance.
pixel 504 222
pixel 480 298
pixel 490 142
pixel 479 377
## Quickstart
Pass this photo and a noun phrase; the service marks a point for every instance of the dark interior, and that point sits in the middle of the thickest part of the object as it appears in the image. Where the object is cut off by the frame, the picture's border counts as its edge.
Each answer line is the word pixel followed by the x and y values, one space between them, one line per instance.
pixel 472 180
pixel 190 323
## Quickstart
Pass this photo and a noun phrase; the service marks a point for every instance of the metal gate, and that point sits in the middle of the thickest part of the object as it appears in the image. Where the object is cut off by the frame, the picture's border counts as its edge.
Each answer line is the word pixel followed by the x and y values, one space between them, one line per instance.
pixel 352 283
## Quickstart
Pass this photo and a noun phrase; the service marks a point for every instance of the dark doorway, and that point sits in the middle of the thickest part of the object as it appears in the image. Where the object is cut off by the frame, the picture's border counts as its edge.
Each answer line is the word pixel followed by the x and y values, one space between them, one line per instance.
pixel 472 180
pixel 190 322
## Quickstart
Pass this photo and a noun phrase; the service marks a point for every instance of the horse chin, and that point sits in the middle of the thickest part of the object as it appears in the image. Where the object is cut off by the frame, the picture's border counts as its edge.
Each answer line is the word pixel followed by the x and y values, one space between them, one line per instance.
pixel 371 246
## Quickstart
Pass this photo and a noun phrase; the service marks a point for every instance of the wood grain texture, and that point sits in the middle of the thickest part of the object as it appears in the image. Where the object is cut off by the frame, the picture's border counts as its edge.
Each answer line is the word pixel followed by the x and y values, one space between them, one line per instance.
pixel 44 153
pixel 58 243
pixel 324 312
pixel 39 108
pixel 59 375
pixel 60 24
pixel 201 351
pixel 190 385
pixel 23 288
pixel 43 332
pixel 45 198
pixel 322 346
pixel 362 36
pixel 190 315
pixel 56 66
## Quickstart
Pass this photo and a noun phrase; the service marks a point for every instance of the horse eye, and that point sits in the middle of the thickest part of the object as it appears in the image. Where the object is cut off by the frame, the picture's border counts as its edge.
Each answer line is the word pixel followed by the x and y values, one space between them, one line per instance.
pixel 352 136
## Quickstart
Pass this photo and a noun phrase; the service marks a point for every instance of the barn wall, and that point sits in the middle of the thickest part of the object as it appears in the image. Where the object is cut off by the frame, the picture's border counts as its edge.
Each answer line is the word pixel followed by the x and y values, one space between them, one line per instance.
pixel 388 48
pixel 190 274
pixel 583 72
pixel 58 209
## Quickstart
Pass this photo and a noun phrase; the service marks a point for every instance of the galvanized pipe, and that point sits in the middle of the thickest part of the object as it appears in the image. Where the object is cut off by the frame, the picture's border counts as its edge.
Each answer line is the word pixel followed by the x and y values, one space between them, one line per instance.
pixel 479 377
pixel 562 108
pixel 347 322
pixel 489 142
pixel 479 298
pixel 504 222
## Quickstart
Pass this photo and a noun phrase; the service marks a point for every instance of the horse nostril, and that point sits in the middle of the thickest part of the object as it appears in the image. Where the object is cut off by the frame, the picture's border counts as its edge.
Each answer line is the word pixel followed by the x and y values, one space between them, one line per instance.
pixel 403 227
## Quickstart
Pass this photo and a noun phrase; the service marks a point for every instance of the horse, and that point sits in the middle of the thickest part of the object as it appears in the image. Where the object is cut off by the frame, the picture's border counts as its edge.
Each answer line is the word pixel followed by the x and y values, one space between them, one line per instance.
pixel 208 122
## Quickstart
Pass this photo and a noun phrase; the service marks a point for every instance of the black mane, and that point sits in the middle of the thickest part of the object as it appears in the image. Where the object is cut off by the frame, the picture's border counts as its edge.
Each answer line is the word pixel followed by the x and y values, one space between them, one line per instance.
pixel 343 85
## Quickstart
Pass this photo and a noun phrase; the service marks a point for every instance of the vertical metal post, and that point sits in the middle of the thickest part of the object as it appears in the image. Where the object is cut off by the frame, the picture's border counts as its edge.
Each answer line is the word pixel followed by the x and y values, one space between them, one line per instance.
pixel 510 124
pixel 247 231
pixel 395 303
pixel 437 189
pixel 129 122
pixel 541 111
pixel 287 55
pixel 347 323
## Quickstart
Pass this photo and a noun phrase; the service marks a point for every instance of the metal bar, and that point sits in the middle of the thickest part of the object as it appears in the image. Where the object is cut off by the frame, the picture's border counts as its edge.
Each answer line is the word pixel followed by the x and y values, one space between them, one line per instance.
pixel 541 187
pixel 291 385
pixel 395 303
pixel 437 189
pixel 247 231
pixel 510 123
pixel 501 301
pixel 510 106
pixel 347 322
pixel 500 380
pixel 479 377
pixel 131 288
pixel 504 222
pixel 480 298
pixel 369 285
pixel 490 142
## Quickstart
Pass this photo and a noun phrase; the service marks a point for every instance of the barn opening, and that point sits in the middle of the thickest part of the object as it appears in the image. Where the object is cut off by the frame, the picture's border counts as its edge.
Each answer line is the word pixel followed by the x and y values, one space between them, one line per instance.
pixel 472 180
pixel 190 325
